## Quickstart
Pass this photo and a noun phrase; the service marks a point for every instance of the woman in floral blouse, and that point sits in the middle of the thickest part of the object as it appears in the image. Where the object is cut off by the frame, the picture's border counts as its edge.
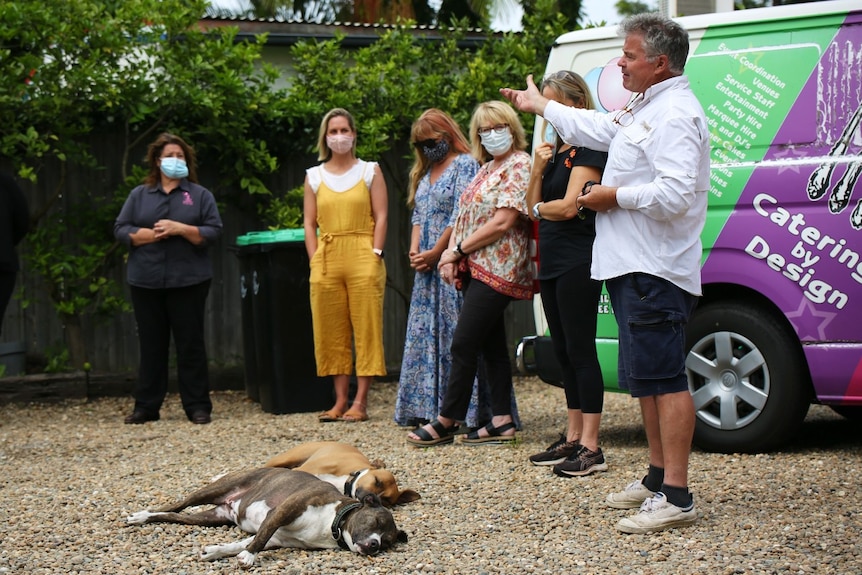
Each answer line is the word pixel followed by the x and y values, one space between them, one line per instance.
pixel 488 259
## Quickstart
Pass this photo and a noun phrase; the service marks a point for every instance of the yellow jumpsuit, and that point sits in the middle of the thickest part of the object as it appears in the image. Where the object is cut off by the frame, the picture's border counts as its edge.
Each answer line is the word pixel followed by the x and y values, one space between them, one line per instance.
pixel 346 284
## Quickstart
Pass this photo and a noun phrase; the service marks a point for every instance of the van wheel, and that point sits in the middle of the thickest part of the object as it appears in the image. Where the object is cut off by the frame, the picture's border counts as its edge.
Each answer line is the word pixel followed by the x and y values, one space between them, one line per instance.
pixel 747 377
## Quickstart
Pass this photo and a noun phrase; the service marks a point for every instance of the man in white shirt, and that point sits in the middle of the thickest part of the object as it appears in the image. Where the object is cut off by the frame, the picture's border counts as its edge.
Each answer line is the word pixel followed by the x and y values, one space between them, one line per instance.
pixel 651 208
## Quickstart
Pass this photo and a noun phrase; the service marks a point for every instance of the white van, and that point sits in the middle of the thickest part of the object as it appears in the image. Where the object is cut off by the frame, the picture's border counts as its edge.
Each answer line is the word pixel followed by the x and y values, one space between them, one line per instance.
pixel 780 322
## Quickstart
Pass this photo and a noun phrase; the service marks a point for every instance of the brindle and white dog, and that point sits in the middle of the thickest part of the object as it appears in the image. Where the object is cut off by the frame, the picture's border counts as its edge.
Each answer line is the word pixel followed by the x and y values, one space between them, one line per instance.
pixel 283 508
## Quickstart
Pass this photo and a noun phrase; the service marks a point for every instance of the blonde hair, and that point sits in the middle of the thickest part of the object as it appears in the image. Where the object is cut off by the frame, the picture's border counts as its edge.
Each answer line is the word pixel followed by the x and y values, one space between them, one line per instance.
pixel 433 124
pixel 323 151
pixel 490 114
pixel 569 86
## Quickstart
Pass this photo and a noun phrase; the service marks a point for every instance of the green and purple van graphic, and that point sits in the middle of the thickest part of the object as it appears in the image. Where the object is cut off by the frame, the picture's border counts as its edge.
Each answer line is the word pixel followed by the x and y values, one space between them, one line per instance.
pixel 784 109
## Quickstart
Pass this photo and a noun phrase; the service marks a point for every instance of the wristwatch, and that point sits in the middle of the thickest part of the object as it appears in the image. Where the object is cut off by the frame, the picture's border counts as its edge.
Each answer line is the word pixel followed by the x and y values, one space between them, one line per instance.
pixel 457 249
pixel 536 213
pixel 378 251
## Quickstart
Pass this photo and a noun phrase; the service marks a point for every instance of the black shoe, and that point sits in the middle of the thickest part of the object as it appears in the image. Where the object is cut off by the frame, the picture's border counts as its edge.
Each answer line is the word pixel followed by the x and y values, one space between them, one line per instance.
pixel 200 417
pixel 582 463
pixel 140 416
pixel 556 453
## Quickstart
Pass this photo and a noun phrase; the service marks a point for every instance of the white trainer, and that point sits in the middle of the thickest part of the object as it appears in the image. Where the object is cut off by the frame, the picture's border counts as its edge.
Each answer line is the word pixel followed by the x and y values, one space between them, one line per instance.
pixel 631 497
pixel 657 514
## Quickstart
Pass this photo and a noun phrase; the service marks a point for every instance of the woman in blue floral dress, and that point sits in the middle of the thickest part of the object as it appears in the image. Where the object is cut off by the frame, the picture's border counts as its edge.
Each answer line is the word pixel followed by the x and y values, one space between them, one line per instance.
pixel 442 170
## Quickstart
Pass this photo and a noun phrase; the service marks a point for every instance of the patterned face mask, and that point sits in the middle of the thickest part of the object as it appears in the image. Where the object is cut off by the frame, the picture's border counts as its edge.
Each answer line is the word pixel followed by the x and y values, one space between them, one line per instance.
pixel 436 152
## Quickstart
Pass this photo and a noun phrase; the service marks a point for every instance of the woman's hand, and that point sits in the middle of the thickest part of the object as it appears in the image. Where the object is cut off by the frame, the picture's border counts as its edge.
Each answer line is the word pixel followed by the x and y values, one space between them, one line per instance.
pixel 448 257
pixel 447 272
pixel 423 262
pixel 163 229
pixel 544 153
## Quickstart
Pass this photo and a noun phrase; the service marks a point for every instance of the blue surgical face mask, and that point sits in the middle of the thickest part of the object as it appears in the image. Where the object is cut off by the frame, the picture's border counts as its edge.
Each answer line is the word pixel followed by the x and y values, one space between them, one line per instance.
pixel 174 168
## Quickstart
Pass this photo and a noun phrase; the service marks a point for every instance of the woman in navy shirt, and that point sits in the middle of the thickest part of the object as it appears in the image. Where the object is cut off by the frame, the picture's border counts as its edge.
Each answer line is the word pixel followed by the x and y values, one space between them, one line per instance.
pixel 169 222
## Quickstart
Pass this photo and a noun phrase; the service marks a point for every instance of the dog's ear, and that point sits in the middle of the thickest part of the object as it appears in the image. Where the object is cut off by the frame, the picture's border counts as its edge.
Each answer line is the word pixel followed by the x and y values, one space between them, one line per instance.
pixel 402 536
pixel 407 496
pixel 371 500
pixel 377 464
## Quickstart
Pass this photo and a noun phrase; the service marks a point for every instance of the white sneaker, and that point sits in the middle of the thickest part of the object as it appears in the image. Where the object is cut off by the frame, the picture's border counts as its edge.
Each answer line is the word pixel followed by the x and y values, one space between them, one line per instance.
pixel 657 514
pixel 631 497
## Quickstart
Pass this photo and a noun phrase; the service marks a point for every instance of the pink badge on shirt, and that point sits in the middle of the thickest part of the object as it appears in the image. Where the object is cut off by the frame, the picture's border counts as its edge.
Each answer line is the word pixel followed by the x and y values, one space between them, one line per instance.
pixel 187 199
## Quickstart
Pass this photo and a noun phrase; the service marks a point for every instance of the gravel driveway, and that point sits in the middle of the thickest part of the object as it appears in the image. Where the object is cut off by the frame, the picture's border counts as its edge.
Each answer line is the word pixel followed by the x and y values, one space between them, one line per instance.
pixel 71 473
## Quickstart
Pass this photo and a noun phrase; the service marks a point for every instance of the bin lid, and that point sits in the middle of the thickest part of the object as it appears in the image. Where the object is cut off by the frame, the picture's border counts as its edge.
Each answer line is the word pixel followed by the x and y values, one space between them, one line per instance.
pixel 271 237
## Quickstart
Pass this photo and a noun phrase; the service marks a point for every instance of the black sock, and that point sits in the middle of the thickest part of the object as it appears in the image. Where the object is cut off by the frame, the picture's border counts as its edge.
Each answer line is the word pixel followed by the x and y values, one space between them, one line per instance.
pixel 678 496
pixel 654 478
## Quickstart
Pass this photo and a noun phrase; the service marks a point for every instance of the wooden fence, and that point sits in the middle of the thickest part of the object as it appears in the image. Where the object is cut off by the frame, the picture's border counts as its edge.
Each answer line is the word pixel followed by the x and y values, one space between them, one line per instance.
pixel 112 342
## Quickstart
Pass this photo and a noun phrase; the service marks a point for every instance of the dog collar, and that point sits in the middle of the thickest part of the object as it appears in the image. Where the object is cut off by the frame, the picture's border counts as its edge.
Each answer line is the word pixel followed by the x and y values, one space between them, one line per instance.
pixel 339 519
pixel 350 484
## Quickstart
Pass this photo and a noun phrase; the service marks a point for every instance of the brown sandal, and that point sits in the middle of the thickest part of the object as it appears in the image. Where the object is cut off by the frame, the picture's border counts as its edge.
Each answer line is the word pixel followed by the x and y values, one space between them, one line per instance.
pixel 353 416
pixel 329 416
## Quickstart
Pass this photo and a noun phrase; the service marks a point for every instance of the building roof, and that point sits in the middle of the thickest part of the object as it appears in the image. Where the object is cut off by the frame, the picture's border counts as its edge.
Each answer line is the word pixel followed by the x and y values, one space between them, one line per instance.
pixel 357 34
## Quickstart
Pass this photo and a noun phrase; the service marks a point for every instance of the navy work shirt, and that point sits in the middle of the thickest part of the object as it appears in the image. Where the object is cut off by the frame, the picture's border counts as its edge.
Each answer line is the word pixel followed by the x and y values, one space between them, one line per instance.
pixel 173 262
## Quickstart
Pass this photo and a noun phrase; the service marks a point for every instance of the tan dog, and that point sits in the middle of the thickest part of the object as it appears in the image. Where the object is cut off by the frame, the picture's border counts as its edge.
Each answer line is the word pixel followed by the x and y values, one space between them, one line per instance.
pixel 346 468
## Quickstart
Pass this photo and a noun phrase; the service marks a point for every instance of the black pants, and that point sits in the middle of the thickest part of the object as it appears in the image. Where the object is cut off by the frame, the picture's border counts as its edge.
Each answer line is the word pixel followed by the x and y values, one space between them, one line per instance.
pixel 481 331
pixel 7 286
pixel 571 303
pixel 161 313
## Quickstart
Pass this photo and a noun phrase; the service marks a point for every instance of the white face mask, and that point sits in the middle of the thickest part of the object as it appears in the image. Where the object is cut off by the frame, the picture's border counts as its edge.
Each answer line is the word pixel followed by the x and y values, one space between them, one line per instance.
pixel 497 144
pixel 340 144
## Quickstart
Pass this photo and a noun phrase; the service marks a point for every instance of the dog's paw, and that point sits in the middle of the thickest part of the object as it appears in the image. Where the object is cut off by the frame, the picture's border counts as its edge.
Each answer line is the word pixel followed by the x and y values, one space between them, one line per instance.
pixel 211 553
pixel 246 559
pixel 139 518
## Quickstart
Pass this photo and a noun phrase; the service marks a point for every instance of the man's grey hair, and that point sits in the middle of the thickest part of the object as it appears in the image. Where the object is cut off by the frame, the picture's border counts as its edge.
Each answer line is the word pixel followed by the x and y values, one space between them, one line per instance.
pixel 661 35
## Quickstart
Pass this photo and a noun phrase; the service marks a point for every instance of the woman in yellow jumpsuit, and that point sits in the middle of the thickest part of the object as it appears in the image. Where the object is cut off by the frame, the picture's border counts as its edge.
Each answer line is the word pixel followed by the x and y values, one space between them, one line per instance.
pixel 345 211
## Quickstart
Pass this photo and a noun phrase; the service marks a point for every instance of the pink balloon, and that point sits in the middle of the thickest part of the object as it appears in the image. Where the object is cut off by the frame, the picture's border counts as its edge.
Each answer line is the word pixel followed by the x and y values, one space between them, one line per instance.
pixel 611 94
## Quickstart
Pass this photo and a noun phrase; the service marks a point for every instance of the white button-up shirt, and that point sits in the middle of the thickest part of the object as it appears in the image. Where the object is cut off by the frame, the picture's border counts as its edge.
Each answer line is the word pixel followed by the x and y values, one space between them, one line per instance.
pixel 660 165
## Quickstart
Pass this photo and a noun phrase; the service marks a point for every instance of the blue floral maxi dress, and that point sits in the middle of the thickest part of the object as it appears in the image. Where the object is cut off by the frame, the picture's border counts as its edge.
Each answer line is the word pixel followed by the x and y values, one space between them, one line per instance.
pixel 434 308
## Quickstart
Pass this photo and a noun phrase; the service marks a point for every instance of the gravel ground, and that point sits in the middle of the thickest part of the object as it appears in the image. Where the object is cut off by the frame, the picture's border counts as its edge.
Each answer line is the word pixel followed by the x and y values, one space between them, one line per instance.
pixel 72 472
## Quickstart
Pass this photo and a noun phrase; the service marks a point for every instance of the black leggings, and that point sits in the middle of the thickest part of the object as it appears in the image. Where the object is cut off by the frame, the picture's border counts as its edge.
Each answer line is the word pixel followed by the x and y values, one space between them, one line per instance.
pixel 480 332
pixel 571 303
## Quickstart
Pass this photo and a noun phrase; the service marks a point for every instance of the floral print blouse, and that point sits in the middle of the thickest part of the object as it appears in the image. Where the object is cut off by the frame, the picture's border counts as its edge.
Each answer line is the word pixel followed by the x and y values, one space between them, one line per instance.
pixel 505 264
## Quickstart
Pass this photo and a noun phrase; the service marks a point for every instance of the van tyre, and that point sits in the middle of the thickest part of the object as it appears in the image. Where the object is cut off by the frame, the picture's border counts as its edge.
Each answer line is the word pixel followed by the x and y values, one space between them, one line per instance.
pixel 748 378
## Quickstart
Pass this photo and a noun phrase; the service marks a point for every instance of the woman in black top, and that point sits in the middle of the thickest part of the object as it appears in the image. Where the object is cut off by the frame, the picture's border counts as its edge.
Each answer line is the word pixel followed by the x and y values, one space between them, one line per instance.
pixel 560 174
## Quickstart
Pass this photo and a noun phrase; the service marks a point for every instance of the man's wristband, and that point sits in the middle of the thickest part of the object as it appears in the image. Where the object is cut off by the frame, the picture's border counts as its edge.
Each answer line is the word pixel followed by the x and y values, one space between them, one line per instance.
pixel 588 186
pixel 378 251
pixel 457 249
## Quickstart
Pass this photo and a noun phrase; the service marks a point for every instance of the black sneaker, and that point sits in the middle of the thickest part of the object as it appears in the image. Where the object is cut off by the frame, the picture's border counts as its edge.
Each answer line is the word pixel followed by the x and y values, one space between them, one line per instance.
pixel 557 452
pixel 583 462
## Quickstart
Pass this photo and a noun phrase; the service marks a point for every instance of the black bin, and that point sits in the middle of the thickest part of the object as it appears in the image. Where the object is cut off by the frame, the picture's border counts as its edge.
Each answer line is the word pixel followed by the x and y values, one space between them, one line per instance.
pixel 248 253
pixel 278 342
